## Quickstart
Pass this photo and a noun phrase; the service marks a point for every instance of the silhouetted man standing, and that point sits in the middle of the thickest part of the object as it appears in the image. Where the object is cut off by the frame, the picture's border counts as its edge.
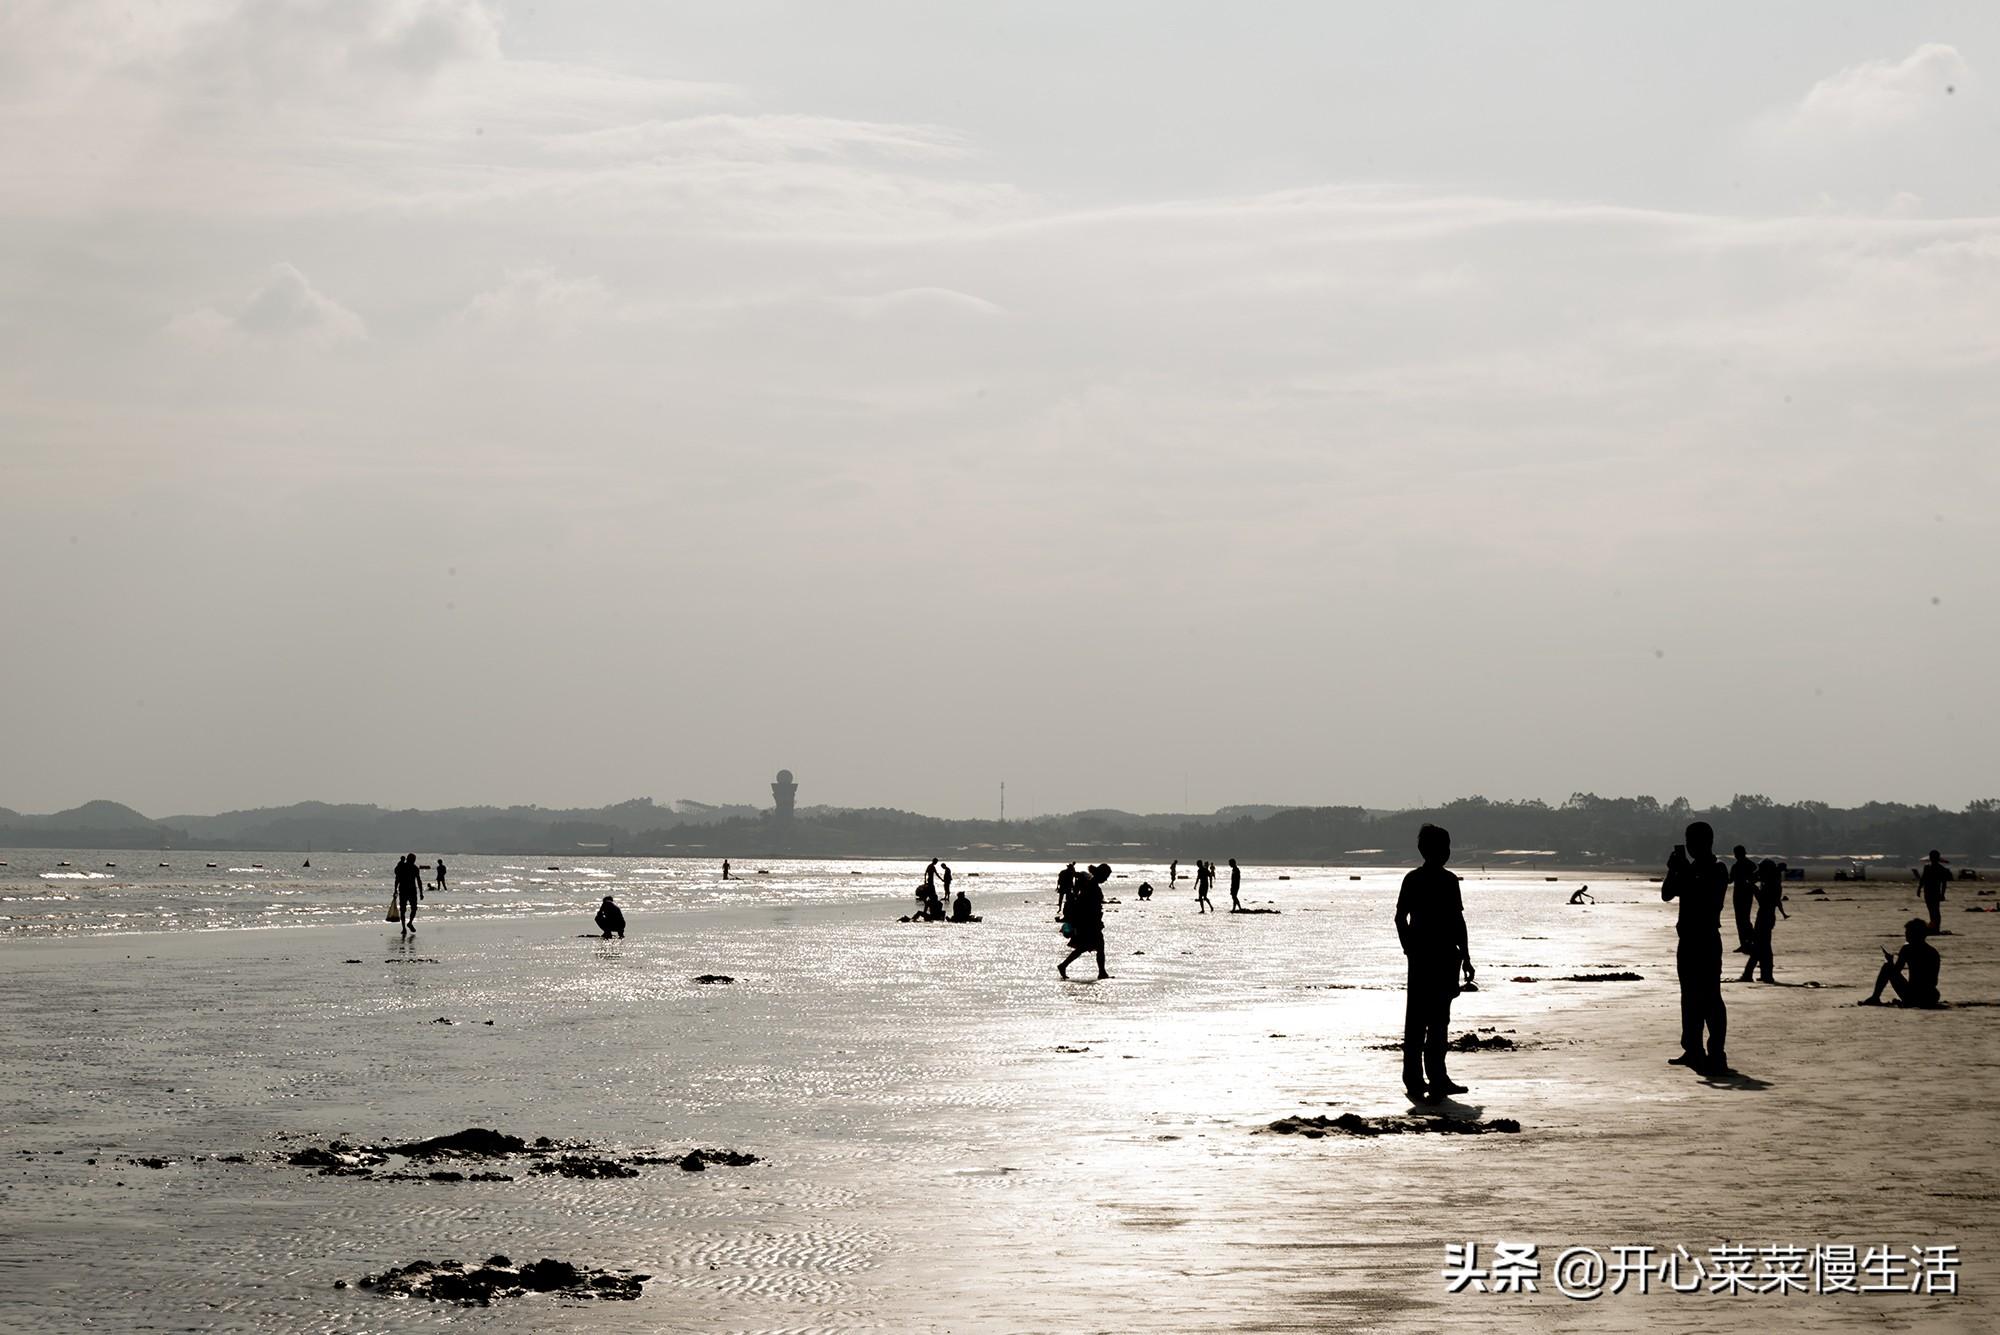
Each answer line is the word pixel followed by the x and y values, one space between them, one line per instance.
pixel 1743 894
pixel 1697 878
pixel 1235 884
pixel 409 889
pixel 1430 920
pixel 1932 880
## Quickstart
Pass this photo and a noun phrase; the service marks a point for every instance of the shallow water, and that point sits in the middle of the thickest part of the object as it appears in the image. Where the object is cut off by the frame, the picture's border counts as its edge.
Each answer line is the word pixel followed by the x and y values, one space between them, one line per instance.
pixel 121 890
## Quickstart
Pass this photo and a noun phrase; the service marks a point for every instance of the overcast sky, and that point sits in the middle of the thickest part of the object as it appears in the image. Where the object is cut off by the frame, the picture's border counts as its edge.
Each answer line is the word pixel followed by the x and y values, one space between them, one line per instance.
pixel 431 402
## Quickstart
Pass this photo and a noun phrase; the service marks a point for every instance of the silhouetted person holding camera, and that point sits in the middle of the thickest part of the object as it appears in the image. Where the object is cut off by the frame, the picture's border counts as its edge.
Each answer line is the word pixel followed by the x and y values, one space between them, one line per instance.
pixel 1083 918
pixel 1931 881
pixel 1430 921
pixel 1699 880
pixel 1743 896
pixel 1912 972
pixel 611 919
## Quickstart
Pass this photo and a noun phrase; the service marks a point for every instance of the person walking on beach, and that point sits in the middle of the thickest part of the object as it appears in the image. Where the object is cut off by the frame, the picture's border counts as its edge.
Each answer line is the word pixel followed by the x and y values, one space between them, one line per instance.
pixel 1913 972
pixel 1083 921
pixel 1201 883
pixel 1770 903
pixel 437 875
pixel 1235 884
pixel 1743 894
pixel 1173 873
pixel 725 869
pixel 610 918
pixel 1931 882
pixel 1697 878
pixel 409 889
pixel 1430 923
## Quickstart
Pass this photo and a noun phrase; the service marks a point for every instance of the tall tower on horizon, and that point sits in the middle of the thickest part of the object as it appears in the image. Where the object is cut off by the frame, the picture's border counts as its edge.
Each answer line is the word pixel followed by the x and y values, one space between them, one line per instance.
pixel 784 791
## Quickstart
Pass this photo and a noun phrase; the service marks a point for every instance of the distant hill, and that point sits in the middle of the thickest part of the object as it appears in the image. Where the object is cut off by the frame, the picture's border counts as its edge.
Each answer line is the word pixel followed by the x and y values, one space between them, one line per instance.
pixel 95 824
pixel 97 815
pixel 1582 831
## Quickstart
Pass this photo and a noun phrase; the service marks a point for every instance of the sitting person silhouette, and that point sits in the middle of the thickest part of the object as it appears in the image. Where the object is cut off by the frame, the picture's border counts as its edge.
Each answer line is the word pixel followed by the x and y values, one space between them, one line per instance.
pixel 1581 896
pixel 1145 889
pixel 610 918
pixel 1913 972
pixel 961 909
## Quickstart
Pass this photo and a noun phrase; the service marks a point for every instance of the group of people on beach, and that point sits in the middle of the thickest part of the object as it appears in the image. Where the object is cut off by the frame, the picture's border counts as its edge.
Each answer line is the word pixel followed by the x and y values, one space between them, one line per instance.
pixel 1698 879
pixel 1204 881
pixel 1430 924
pixel 1430 921
pixel 931 902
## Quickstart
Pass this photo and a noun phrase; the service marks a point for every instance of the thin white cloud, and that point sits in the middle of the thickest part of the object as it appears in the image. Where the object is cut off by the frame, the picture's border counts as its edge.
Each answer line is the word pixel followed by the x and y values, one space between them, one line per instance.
pixel 1880 95
pixel 538 300
pixel 922 301
pixel 286 308
pixel 756 138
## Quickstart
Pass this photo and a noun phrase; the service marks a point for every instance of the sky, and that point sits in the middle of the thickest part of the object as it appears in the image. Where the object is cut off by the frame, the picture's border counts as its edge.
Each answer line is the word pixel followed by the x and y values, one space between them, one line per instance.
pixel 1153 405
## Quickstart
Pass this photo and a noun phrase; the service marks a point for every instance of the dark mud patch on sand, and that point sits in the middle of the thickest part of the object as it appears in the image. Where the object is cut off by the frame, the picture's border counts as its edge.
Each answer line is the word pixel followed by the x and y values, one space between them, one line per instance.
pixel 584 1166
pixel 498 1277
pixel 1586 978
pixel 711 979
pixel 1485 1040
pixel 1353 1124
pixel 696 1161
pixel 481 1145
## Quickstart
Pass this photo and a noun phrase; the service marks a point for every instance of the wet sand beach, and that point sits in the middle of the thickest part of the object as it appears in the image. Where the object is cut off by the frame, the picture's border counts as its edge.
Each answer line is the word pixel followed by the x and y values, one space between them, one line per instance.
pixel 951 1139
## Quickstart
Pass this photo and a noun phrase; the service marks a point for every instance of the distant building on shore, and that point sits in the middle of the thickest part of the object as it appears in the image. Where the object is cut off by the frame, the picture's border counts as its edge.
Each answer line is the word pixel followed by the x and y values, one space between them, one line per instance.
pixel 784 791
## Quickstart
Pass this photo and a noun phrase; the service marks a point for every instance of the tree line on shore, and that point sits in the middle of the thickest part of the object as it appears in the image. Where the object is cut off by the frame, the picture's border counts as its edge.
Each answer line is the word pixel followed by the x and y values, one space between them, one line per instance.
pixel 1584 830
